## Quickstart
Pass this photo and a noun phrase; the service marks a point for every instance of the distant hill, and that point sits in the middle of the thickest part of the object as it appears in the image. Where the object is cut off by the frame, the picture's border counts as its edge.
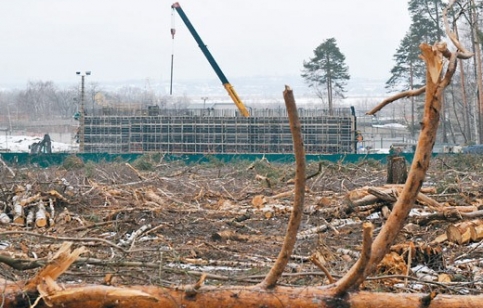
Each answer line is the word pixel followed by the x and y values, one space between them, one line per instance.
pixel 252 86
pixel 267 86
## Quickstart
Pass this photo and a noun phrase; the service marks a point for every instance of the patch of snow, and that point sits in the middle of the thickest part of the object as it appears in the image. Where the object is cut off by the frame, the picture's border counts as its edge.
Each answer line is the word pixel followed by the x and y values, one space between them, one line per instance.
pixel 424 273
pixel 413 286
pixel 21 143
pixel 389 125
pixel 381 151
pixel 203 267
pixel 418 212
pixel 373 216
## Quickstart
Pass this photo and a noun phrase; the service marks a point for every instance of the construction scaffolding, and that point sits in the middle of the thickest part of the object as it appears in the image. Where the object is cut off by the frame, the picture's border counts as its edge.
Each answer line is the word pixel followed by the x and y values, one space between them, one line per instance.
pixel 219 131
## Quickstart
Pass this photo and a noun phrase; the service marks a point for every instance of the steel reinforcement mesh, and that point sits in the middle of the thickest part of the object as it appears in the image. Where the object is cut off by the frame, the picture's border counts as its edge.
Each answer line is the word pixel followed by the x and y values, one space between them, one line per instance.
pixel 219 131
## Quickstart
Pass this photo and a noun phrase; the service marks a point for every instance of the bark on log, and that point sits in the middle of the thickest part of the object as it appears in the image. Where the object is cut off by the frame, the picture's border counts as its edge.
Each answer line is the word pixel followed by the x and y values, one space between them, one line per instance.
pixel 424 190
pixel 229 235
pixel 370 195
pixel 29 220
pixel 43 291
pixel 358 198
pixel 466 208
pixel 397 171
pixel 98 296
pixel 439 239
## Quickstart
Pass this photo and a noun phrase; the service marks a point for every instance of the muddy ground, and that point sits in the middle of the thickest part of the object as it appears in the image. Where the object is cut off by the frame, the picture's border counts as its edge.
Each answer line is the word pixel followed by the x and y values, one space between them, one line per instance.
pixel 166 223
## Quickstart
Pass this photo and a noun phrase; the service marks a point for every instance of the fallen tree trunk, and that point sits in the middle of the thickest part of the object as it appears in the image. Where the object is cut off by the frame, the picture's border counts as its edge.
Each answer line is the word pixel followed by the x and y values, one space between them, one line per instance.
pixel 43 291
pixel 370 195
pixel 97 296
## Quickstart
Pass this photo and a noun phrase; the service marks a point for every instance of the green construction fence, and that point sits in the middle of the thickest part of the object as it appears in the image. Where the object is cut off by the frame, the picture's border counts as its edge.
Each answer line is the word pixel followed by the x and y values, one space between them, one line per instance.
pixel 53 159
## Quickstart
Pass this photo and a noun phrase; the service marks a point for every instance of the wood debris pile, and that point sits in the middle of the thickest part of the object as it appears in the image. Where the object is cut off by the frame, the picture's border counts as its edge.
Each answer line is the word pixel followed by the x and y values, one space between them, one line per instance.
pixel 31 209
pixel 174 222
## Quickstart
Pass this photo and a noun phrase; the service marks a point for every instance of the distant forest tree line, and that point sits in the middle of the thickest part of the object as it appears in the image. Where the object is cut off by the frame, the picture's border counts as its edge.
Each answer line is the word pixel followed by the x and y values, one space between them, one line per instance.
pixel 462 115
pixel 45 100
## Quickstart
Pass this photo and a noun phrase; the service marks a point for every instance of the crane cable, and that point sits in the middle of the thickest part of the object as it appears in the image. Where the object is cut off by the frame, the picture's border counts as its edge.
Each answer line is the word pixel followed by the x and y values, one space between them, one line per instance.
pixel 173 32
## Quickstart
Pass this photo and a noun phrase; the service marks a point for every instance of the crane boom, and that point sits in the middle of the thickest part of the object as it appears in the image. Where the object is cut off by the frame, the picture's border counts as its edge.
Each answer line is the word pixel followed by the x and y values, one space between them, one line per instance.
pixel 226 84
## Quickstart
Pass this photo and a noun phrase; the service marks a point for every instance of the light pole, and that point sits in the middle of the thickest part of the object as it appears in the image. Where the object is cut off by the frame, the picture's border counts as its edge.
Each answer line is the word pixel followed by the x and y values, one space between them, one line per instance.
pixel 82 110
pixel 204 98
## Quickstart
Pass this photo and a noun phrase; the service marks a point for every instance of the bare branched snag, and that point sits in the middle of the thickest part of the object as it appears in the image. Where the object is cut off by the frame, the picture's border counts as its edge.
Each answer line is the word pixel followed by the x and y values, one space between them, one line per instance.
pixel 435 85
pixel 296 216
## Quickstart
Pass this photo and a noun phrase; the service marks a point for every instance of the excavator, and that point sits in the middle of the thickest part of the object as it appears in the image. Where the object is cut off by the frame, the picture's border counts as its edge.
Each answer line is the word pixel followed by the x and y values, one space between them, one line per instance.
pixel 229 88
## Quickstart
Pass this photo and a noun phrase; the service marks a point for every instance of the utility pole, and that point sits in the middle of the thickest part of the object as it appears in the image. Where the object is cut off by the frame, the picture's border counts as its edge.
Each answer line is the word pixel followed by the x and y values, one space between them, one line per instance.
pixel 204 98
pixel 82 110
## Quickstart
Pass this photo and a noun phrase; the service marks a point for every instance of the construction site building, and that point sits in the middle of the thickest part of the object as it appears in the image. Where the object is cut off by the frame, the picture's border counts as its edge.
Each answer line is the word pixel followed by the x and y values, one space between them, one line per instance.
pixel 218 131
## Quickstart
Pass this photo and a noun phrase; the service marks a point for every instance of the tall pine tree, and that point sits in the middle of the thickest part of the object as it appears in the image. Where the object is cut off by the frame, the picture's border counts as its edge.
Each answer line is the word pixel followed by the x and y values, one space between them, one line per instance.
pixel 426 26
pixel 409 71
pixel 327 72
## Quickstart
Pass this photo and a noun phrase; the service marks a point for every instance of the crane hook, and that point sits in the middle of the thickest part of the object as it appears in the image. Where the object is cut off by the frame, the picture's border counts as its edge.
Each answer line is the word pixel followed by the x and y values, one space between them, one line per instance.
pixel 173 28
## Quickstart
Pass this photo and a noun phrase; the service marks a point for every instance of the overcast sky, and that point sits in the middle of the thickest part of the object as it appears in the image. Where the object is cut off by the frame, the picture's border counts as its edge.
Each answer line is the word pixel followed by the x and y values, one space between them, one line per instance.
pixel 121 40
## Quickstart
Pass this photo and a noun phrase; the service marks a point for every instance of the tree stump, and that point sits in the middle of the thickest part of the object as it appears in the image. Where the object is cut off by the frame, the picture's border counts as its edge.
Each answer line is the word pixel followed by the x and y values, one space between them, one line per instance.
pixel 397 171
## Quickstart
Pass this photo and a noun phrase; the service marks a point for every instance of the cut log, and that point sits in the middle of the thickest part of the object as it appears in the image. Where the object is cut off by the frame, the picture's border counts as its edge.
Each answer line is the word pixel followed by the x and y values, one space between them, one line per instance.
pixel 466 208
pixel 430 202
pixel 18 214
pixel 285 194
pixel 152 196
pixel 229 235
pixel 41 216
pixel 30 217
pixel 4 219
pixel 461 232
pixel 424 189
pixel 30 200
pixel 370 195
pixel 258 201
pixel 57 196
pixel 52 212
pixel 458 234
pixel 360 197
pixel 312 232
pixel 476 233
pixel 439 239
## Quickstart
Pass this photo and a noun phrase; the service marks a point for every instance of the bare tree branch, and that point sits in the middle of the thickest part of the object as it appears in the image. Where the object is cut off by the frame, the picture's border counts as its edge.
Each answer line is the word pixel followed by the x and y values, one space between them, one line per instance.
pixel 462 52
pixel 395 97
pixel 296 216
pixel 356 274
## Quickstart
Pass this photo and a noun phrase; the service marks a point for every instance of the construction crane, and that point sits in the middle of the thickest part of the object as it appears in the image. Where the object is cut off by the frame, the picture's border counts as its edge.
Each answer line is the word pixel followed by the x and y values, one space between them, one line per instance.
pixel 229 88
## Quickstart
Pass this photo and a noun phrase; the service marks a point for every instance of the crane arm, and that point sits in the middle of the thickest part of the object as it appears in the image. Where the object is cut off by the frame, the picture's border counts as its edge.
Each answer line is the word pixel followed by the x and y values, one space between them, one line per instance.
pixel 229 88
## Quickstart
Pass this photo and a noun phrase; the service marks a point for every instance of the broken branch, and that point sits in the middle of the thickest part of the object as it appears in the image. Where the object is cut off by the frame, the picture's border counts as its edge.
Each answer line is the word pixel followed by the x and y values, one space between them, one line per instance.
pixel 298 204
